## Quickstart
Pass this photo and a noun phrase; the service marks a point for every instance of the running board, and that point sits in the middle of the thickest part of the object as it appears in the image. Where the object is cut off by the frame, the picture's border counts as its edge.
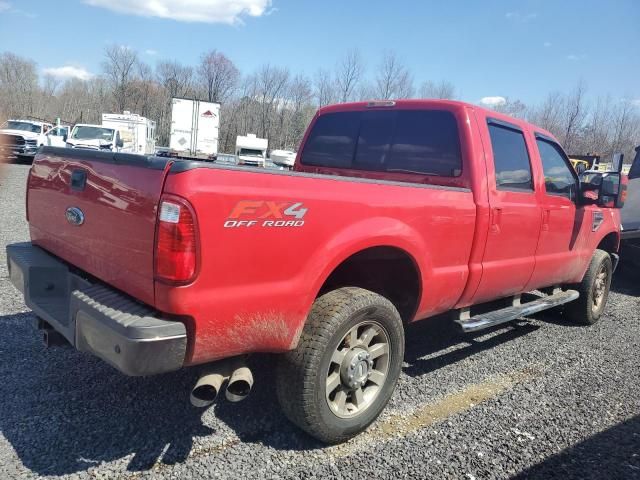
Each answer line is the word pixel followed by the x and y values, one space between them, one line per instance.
pixel 490 319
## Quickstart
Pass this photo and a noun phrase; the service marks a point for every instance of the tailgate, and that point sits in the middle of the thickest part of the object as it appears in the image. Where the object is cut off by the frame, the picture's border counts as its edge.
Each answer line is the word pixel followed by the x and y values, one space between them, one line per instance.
pixel 97 211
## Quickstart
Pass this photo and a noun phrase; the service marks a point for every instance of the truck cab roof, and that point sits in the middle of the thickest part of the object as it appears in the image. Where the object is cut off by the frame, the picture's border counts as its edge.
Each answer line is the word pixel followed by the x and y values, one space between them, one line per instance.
pixel 434 104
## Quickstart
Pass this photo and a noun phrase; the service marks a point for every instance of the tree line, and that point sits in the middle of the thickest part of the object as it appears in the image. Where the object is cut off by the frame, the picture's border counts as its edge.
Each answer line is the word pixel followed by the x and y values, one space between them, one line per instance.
pixel 277 104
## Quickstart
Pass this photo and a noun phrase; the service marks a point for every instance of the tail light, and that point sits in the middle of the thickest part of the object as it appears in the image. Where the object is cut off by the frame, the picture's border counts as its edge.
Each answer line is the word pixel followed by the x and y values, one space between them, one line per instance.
pixel 176 255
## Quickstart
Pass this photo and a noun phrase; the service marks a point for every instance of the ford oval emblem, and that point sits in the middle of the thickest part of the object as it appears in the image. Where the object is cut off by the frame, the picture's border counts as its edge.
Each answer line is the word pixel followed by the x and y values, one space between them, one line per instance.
pixel 74 216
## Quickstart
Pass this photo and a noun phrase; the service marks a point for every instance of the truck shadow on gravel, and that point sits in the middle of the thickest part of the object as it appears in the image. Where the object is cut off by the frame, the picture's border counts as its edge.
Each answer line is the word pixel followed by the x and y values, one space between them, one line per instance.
pixel 65 412
pixel 426 339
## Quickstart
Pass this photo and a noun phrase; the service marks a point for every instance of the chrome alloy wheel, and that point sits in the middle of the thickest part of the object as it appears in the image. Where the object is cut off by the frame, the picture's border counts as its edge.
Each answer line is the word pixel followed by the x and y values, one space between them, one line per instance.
pixel 600 287
pixel 358 369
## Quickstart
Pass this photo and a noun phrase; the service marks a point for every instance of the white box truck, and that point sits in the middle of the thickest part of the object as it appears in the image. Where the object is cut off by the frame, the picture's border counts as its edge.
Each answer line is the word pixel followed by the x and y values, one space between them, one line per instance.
pixel 195 127
pixel 251 150
pixel 138 134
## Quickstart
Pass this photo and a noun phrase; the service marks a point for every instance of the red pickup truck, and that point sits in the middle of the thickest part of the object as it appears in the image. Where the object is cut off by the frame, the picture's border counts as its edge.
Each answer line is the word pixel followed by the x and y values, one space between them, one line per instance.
pixel 395 212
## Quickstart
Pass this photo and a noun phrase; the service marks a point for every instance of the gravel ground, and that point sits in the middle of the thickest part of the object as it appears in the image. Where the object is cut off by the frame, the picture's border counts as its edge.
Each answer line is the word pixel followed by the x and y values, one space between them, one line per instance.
pixel 536 399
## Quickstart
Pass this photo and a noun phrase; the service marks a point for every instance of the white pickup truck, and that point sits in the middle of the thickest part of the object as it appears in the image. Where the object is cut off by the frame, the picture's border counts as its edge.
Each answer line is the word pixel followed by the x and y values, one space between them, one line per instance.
pixel 22 138
pixel 95 137
pixel 630 234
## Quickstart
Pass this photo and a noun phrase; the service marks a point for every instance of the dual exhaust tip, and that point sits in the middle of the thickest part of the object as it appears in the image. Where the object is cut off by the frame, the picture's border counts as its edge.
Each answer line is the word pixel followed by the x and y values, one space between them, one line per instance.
pixel 234 373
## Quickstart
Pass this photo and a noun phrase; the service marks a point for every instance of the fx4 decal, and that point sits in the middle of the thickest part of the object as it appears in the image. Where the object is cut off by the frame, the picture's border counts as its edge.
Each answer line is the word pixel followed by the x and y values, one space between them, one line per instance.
pixel 249 213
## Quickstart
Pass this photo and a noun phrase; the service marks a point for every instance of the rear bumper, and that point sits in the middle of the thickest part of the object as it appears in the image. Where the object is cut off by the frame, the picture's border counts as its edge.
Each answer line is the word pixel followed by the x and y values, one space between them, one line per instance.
pixel 95 318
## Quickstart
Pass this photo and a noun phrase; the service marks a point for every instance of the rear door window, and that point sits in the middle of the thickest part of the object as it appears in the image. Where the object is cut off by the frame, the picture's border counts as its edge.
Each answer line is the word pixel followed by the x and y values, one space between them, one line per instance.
pixel 425 142
pixel 510 158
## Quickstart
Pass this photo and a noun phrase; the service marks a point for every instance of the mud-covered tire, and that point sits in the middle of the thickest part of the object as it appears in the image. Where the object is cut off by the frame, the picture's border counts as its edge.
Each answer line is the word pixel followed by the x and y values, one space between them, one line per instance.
pixel 594 290
pixel 327 347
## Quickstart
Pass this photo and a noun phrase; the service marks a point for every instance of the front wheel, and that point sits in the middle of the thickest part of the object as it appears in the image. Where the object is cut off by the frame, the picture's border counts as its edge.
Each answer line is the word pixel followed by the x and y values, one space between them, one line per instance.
pixel 345 367
pixel 594 290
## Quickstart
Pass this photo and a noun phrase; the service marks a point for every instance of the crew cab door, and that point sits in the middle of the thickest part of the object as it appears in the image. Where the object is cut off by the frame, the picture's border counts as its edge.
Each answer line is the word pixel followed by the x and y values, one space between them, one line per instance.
pixel 557 255
pixel 509 256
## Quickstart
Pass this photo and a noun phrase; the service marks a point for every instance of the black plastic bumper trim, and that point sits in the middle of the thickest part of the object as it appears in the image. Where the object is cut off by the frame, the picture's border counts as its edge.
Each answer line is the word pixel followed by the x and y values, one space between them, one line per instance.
pixel 94 317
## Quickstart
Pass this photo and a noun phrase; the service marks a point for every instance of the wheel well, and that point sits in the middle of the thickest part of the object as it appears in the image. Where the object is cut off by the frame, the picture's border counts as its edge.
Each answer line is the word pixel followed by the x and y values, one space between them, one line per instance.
pixel 609 243
pixel 388 271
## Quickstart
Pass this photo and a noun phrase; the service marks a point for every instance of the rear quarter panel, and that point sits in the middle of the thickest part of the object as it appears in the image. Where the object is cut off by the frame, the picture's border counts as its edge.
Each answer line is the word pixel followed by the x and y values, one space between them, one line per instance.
pixel 256 284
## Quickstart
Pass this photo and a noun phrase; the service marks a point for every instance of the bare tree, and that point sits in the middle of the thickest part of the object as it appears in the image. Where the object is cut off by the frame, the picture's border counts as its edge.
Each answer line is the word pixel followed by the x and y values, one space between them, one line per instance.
pixel 443 90
pixel 625 128
pixel 324 88
pixel 597 131
pixel 177 79
pixel 119 68
pixel 513 107
pixel 349 72
pixel 296 111
pixel 219 76
pixel 271 82
pixel 549 114
pixel 574 114
pixel 275 105
pixel 18 84
pixel 50 85
pixel 393 79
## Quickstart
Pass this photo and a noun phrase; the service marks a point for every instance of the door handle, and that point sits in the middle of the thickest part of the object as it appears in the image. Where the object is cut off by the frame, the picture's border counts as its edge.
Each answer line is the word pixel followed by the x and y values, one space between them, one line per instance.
pixel 546 214
pixel 78 179
pixel 496 217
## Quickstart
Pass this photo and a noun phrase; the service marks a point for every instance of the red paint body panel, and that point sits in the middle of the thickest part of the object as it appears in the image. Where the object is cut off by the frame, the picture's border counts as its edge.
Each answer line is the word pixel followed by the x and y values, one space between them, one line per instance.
pixel 255 285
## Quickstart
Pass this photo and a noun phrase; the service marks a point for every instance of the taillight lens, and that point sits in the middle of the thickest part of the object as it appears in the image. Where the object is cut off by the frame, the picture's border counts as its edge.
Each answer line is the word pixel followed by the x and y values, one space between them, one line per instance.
pixel 176 255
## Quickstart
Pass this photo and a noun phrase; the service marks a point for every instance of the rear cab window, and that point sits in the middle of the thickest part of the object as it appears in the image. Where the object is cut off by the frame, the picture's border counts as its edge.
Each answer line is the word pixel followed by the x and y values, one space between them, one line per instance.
pixel 395 141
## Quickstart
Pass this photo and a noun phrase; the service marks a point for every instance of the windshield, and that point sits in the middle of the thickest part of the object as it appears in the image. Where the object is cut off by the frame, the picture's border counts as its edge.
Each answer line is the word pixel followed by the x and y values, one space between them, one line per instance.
pixel 92 133
pixel 250 152
pixel 24 126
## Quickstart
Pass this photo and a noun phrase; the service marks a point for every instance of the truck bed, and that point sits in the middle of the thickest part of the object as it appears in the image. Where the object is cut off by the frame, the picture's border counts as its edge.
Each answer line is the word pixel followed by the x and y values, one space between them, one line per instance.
pixel 272 252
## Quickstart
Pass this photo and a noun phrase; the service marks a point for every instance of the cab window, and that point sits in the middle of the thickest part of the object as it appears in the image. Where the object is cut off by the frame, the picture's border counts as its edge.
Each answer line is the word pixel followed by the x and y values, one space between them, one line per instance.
pixel 559 178
pixel 423 142
pixel 510 158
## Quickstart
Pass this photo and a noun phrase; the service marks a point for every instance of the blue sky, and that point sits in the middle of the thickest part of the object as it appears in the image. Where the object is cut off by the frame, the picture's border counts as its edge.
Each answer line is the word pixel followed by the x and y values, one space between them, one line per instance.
pixel 518 49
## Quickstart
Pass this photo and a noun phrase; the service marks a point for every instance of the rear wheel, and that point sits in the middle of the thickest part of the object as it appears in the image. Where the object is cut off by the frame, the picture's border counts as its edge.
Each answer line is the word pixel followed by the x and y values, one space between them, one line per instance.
pixel 345 368
pixel 594 290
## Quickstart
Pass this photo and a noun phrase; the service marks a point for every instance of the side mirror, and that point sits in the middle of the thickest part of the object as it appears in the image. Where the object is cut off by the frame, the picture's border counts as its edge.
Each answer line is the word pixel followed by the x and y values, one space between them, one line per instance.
pixel 613 191
pixel 64 137
pixel 590 185
pixel 119 143
pixel 607 190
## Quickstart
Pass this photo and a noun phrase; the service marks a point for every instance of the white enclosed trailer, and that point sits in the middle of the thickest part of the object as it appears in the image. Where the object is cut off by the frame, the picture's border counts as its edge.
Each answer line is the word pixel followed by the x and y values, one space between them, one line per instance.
pixel 251 150
pixel 138 133
pixel 195 127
